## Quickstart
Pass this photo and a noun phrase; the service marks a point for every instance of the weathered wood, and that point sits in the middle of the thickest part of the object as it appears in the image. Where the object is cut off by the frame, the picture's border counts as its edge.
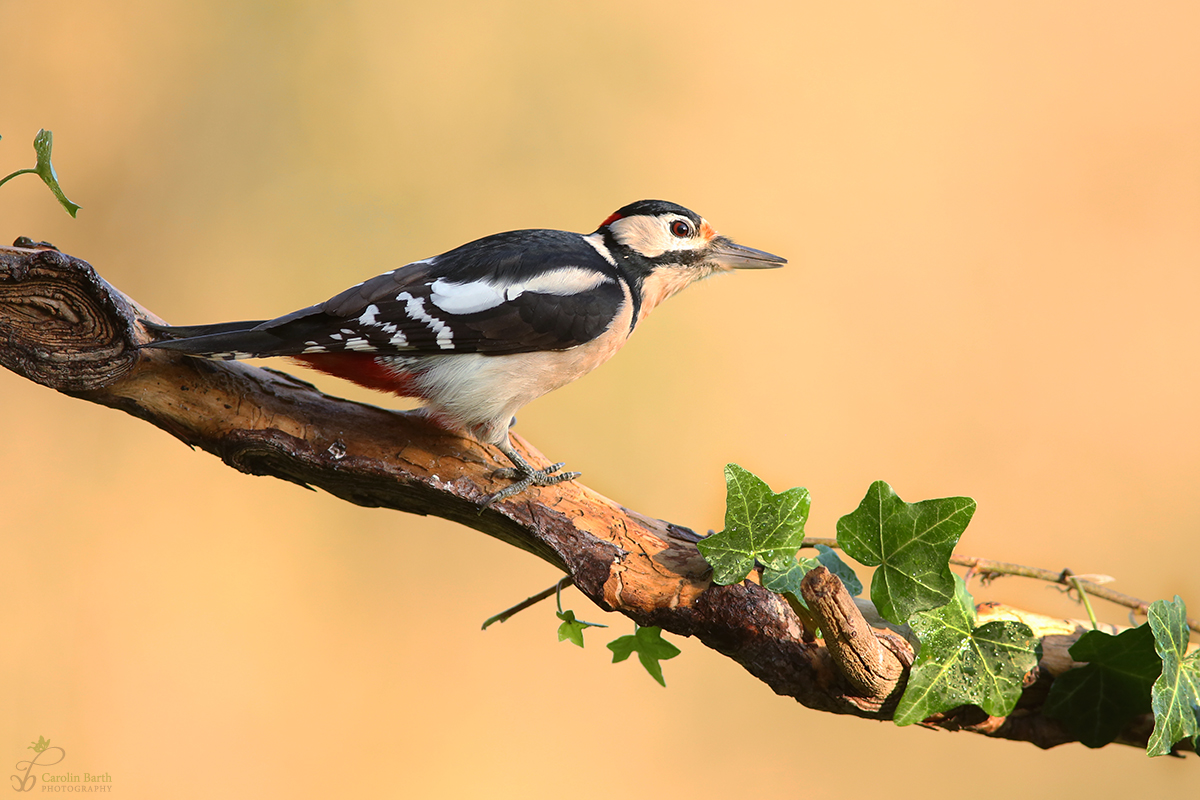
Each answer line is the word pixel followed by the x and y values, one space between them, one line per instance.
pixel 63 326
pixel 874 661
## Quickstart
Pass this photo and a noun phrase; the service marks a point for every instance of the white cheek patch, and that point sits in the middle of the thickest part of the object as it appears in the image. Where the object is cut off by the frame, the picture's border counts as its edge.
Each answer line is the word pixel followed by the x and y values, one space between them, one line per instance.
pixel 651 236
pixel 646 235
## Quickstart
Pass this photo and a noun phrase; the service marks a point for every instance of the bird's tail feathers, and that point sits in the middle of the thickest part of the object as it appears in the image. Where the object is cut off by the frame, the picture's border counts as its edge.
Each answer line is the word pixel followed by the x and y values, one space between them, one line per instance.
pixel 225 340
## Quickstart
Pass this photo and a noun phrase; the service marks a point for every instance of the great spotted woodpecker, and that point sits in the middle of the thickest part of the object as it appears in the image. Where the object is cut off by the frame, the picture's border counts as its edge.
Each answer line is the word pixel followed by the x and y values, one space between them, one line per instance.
pixel 481 330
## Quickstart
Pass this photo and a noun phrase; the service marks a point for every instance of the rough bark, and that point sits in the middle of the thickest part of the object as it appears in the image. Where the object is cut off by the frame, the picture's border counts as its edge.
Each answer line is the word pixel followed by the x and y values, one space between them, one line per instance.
pixel 64 327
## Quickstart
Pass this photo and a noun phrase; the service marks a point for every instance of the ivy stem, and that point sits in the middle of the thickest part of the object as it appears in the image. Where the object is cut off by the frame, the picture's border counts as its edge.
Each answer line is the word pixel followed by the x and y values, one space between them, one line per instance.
pixel 8 178
pixel 987 569
pixel 1083 596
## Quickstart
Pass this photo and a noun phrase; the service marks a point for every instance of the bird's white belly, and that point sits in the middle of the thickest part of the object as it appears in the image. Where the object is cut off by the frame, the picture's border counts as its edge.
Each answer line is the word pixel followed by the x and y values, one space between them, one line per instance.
pixel 481 393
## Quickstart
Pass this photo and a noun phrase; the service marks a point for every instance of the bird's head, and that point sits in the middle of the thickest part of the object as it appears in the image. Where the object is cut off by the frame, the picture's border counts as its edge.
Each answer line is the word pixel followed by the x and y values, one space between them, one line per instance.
pixel 672 246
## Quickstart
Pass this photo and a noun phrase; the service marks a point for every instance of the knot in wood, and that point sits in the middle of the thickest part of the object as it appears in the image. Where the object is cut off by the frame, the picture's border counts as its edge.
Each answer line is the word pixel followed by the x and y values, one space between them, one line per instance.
pixel 60 324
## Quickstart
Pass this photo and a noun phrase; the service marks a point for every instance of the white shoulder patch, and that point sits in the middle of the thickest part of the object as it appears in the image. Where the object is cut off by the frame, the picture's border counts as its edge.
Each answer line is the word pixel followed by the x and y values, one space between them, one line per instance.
pixel 475 296
pixel 465 298
pixel 564 281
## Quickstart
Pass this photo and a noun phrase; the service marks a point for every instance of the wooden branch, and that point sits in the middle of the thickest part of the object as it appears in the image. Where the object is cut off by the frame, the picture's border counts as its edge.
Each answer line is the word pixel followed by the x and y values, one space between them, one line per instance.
pixel 63 326
pixel 874 662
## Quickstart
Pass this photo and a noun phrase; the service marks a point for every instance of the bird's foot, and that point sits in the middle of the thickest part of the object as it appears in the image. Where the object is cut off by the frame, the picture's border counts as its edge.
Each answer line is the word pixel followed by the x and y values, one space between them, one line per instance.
pixel 523 474
pixel 523 480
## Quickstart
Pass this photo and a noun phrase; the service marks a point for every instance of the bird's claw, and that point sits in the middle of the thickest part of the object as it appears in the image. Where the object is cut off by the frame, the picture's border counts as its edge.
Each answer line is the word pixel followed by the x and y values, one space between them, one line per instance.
pixel 523 479
pixel 524 475
pixel 514 474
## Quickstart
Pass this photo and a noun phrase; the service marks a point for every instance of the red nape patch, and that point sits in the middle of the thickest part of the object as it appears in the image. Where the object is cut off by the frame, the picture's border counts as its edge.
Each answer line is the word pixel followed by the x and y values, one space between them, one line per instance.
pixel 363 369
pixel 611 219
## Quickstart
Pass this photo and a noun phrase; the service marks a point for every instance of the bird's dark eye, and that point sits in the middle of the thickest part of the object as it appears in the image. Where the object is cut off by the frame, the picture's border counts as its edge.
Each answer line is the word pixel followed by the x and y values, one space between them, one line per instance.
pixel 681 229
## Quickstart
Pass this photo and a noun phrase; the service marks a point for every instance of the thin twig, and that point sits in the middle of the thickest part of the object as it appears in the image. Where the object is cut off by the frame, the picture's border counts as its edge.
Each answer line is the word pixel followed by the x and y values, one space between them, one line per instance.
pixel 508 613
pixel 986 568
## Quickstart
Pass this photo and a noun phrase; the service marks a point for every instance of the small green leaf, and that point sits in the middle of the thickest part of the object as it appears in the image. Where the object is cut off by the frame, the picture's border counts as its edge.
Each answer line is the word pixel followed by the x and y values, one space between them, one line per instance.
pixel 40 745
pixel 572 628
pixel 1098 700
pixel 960 664
pixel 1175 697
pixel 759 526
pixel 650 647
pixel 43 143
pixel 910 543
pixel 787 581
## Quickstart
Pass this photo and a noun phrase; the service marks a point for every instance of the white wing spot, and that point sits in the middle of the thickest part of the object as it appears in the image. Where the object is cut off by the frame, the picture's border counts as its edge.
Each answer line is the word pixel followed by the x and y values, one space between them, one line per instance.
pixel 368 316
pixel 415 308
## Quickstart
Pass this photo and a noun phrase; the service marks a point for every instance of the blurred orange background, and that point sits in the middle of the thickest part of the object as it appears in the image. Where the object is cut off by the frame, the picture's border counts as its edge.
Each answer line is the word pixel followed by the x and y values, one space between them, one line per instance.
pixel 992 213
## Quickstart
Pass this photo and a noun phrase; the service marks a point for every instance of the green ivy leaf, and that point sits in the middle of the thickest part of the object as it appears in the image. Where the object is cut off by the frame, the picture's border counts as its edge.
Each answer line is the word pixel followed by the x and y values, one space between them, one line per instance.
pixel 787 581
pixel 759 526
pixel 43 143
pixel 650 647
pixel 1098 700
pixel 960 663
pixel 572 629
pixel 1175 697
pixel 910 543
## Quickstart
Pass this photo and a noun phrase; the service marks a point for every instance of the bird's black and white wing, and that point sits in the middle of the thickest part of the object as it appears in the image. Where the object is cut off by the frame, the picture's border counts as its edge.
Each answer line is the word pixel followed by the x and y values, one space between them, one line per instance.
pixel 498 295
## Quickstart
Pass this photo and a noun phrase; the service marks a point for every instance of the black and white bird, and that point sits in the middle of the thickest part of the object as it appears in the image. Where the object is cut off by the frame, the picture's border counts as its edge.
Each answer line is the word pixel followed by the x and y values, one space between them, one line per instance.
pixel 481 330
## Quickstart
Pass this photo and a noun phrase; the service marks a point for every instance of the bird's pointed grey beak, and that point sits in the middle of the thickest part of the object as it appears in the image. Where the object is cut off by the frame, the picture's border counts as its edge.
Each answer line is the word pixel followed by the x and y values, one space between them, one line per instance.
pixel 736 256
